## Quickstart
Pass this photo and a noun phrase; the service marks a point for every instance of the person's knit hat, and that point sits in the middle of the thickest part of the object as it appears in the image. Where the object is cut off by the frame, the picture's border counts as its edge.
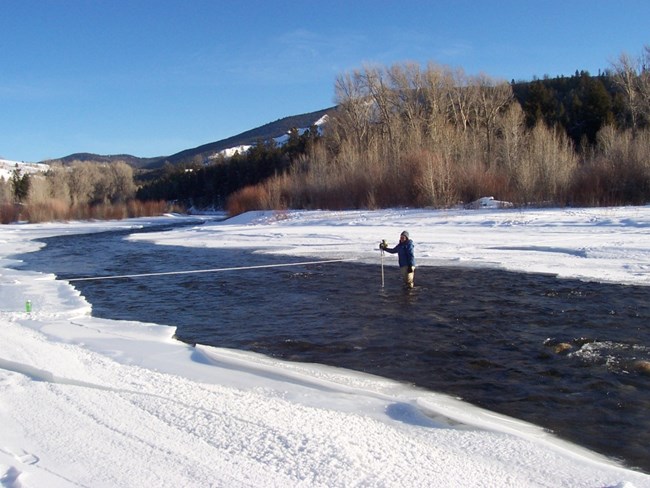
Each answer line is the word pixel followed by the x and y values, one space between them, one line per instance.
pixel 405 234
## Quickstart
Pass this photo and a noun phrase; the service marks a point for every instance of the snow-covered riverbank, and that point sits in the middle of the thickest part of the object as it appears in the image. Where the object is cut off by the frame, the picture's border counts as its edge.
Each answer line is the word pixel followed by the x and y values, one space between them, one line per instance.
pixel 93 402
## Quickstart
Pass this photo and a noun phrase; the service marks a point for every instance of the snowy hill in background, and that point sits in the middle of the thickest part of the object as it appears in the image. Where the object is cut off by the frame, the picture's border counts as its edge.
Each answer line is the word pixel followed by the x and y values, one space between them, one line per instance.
pixel 279 140
pixel 277 130
pixel 7 168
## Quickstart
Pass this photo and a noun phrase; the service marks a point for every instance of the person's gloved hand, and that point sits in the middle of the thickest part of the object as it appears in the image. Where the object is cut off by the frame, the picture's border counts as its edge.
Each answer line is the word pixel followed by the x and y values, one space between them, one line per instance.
pixel 383 245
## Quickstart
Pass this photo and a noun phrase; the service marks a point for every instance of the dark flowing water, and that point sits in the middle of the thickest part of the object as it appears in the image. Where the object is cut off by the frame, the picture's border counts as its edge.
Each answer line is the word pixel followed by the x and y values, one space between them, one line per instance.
pixel 493 338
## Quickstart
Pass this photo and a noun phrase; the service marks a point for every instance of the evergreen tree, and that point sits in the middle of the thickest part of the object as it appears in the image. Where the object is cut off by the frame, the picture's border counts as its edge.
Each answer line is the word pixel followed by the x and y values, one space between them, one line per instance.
pixel 20 184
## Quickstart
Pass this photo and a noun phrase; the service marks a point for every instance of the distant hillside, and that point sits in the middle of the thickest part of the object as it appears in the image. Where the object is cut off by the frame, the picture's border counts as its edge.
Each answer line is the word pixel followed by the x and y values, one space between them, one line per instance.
pixel 134 161
pixel 266 132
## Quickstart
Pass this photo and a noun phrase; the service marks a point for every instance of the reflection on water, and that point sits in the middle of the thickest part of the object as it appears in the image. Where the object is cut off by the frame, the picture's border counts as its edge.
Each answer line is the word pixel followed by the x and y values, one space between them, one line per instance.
pixel 570 356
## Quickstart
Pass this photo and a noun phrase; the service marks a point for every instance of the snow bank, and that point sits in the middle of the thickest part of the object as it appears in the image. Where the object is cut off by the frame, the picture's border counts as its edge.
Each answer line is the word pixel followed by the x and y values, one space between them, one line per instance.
pixel 600 244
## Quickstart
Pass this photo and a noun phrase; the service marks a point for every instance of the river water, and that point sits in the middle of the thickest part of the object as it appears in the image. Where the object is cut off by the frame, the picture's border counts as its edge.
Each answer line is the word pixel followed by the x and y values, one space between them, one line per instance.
pixel 490 337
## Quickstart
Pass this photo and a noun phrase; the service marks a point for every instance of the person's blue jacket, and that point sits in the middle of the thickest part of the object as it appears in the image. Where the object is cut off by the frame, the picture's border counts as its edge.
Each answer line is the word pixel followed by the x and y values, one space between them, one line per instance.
pixel 405 253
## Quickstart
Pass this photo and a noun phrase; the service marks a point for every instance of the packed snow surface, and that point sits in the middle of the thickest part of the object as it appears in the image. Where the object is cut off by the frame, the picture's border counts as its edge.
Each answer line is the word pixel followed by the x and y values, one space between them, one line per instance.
pixel 103 403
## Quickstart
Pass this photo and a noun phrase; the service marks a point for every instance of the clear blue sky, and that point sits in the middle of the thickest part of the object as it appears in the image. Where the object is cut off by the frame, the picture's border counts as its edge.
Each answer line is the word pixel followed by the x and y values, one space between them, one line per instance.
pixel 154 77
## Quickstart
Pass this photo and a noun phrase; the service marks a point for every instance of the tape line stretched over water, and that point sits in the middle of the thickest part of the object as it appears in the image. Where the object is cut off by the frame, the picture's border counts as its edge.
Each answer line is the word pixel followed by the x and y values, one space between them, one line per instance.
pixel 213 270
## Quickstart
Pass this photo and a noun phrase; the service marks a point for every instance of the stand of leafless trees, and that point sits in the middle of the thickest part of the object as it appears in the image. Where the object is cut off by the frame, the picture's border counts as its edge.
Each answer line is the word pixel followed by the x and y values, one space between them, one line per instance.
pixel 435 136
pixel 81 190
pixel 426 137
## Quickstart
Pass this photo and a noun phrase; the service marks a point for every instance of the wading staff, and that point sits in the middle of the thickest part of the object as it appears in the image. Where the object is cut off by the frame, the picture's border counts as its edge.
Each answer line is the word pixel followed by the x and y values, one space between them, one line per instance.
pixel 382 246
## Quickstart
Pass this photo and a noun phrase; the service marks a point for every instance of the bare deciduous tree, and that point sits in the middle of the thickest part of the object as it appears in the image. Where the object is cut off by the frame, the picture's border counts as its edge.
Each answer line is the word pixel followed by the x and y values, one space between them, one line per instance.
pixel 491 100
pixel 632 77
pixel 121 185
pixel 373 81
pixel 353 115
pixel 462 97
pixel 644 84
pixel 5 191
pixel 549 165
pixel 58 180
pixel 81 182
pixel 625 78
pixel 512 127
pixel 437 85
pixel 408 84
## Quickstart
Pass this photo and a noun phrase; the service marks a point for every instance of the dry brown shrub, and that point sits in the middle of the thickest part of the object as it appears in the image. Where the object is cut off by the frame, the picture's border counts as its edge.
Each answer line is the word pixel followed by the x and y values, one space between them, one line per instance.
pixel 618 174
pixel 135 208
pixel 117 211
pixel 475 182
pixel 59 210
pixel 246 199
pixel 52 210
pixel 80 211
pixel 149 208
pixel 589 186
pixel 9 213
pixel 432 179
pixel 602 183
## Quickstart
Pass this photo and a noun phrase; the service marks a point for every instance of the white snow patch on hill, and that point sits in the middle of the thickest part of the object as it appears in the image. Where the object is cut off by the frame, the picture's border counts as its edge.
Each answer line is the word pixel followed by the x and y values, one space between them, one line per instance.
pixel 7 168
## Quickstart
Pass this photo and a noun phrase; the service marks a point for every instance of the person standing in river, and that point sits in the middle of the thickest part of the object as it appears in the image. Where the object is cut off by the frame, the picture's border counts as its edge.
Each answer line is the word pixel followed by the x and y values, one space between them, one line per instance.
pixel 405 251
